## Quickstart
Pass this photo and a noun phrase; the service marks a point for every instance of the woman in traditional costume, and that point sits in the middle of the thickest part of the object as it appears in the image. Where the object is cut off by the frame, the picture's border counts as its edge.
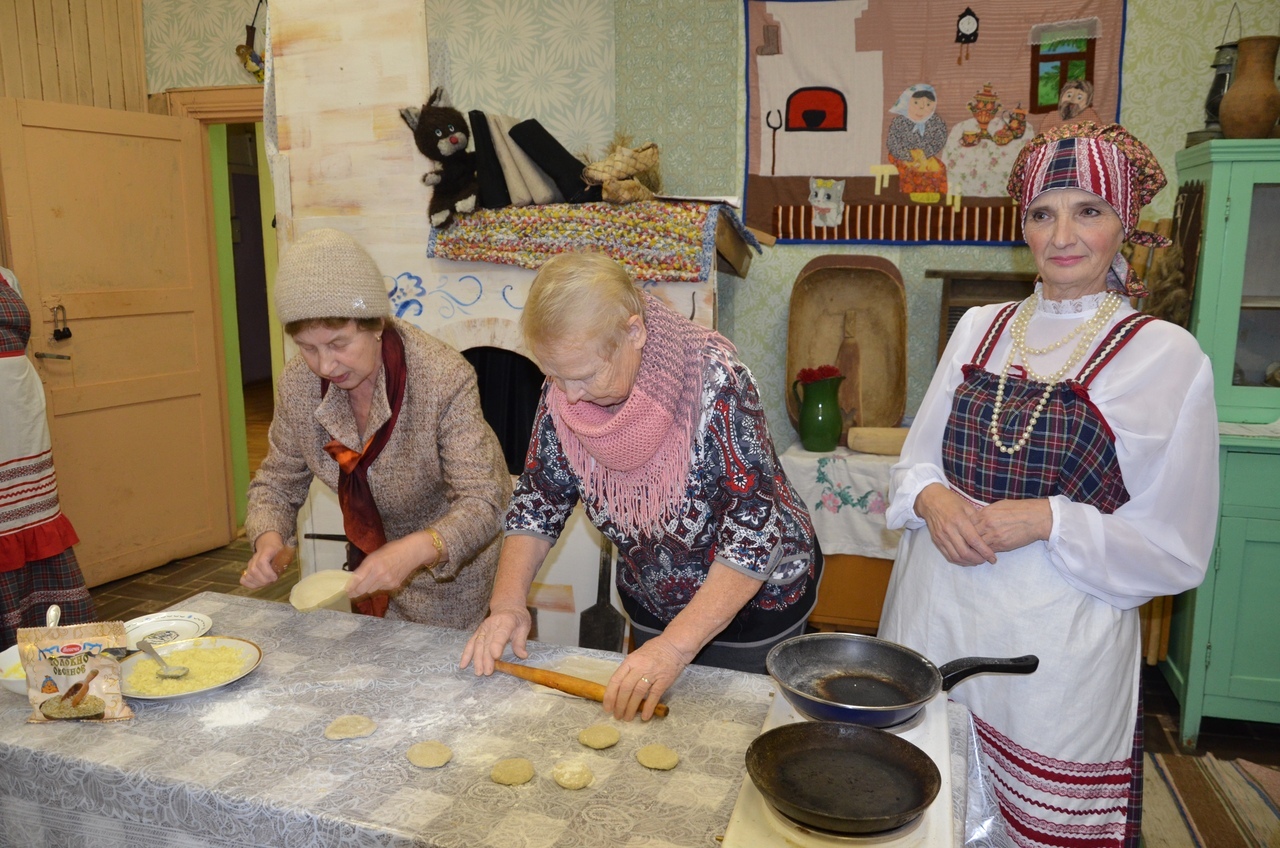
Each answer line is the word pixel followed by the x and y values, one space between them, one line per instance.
pixel 38 566
pixel 655 425
pixel 1062 470
pixel 390 419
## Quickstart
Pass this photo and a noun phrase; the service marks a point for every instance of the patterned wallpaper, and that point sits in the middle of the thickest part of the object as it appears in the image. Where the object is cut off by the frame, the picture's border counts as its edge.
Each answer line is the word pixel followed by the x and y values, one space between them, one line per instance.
pixel 192 43
pixel 1168 47
pixel 678 85
pixel 547 59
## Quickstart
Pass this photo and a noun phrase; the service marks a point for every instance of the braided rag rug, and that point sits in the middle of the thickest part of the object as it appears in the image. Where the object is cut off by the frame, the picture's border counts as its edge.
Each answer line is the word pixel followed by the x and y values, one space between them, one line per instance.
pixel 655 240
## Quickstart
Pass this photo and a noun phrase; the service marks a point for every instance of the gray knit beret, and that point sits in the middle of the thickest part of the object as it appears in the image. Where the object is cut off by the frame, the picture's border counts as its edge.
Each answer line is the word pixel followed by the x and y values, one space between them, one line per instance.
pixel 327 274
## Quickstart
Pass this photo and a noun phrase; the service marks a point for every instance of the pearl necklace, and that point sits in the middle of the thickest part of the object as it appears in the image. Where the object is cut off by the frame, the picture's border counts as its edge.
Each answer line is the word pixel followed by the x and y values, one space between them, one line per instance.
pixel 1087 330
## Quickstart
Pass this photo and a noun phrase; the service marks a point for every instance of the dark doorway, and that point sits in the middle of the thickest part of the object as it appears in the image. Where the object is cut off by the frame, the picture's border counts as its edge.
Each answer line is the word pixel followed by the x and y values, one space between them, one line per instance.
pixel 510 385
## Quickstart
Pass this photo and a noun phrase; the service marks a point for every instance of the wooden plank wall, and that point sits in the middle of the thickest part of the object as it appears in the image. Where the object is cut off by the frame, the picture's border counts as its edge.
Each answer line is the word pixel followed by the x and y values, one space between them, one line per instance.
pixel 88 52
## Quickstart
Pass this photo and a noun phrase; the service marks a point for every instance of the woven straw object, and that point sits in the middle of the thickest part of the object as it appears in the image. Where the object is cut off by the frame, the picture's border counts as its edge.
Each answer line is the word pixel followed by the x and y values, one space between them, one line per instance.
pixel 622 164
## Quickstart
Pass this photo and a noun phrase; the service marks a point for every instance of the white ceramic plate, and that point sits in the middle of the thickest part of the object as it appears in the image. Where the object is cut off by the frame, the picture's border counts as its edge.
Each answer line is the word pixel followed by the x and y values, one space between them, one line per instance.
pixel 250 656
pixel 166 627
pixel 8 661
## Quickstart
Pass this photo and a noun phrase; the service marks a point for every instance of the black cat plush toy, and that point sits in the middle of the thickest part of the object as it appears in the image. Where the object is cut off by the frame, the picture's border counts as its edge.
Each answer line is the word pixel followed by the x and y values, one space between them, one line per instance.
pixel 441 133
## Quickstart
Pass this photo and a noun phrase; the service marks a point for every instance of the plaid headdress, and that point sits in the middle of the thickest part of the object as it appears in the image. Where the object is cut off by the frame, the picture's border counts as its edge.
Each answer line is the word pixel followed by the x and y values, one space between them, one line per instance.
pixel 1105 161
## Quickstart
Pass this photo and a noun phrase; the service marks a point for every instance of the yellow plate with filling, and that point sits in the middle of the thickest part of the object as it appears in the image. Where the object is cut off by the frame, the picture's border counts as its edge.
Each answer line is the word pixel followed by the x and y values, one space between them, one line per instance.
pixel 214 662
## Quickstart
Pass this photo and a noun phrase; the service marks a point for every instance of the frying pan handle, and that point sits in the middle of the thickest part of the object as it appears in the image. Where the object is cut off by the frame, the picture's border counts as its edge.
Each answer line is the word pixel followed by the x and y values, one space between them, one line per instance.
pixel 957 670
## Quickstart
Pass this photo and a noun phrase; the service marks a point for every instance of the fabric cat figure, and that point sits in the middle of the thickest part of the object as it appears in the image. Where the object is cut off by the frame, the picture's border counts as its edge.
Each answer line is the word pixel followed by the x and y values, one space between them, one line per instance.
pixel 441 134
pixel 827 199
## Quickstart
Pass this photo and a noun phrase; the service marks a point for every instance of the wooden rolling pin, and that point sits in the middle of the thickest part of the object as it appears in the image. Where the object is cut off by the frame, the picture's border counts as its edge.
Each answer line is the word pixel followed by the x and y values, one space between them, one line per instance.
pixel 588 689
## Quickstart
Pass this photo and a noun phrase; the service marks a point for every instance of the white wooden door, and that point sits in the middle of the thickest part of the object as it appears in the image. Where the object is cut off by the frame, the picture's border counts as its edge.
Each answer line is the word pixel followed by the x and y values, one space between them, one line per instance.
pixel 105 214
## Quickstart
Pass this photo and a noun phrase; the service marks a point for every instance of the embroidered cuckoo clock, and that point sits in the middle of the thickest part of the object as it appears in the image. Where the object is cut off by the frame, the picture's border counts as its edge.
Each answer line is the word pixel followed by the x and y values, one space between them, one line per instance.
pixel 966 33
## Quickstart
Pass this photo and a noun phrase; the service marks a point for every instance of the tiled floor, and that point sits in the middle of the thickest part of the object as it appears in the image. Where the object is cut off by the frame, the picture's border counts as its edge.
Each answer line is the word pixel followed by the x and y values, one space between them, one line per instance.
pixel 219 571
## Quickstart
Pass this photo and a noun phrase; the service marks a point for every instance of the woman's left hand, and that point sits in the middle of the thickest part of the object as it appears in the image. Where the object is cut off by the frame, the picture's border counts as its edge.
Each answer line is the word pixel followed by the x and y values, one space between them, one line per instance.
pixel 643 677
pixel 1009 525
pixel 387 568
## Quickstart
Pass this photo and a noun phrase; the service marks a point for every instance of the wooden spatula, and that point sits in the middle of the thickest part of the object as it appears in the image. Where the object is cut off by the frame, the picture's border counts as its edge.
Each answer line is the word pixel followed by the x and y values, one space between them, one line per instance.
pixel 588 689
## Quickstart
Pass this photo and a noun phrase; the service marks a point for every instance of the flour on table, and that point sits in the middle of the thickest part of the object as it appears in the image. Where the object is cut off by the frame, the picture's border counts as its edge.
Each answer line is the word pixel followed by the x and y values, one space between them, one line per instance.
pixel 233 714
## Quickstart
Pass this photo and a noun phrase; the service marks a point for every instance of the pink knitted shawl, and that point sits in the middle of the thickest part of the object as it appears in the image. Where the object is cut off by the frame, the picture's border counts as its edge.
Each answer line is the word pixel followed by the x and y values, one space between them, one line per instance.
pixel 634 459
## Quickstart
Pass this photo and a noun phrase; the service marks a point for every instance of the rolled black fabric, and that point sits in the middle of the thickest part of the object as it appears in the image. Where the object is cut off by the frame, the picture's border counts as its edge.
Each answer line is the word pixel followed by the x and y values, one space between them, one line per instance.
pixel 563 167
pixel 493 186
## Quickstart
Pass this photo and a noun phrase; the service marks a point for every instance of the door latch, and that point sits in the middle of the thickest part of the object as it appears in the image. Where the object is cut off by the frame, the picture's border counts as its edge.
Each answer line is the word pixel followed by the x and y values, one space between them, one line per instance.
pixel 64 332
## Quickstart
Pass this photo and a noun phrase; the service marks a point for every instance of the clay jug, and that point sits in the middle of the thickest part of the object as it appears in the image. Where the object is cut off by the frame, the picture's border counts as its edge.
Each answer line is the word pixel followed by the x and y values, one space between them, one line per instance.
pixel 1251 105
pixel 820 420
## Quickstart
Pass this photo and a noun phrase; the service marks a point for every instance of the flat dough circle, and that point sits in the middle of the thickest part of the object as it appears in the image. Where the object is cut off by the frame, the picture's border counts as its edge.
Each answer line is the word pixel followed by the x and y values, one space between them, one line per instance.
pixel 572 774
pixel 600 736
pixel 512 772
pixel 657 757
pixel 431 754
pixel 350 727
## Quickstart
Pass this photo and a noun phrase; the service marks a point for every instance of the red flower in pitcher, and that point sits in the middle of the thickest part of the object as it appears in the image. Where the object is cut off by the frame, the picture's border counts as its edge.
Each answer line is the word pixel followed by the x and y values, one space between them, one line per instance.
pixel 813 375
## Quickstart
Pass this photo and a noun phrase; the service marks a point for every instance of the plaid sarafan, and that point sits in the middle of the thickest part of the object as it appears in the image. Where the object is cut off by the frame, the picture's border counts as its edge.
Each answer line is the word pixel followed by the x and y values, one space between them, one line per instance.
pixel 15 320
pixel 1071 451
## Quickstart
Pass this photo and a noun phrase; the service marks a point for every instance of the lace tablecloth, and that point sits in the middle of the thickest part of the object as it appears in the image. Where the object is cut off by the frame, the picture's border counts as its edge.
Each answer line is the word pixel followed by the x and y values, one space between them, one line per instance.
pixel 847 494
pixel 247 764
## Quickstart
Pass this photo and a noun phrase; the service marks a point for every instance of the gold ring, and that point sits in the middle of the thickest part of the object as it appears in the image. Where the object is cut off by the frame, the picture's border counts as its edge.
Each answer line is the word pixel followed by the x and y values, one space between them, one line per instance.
pixel 646 680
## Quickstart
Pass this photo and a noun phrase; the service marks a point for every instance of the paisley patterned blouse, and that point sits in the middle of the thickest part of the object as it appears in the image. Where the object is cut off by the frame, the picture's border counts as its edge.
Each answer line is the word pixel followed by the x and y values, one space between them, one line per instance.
pixel 739 508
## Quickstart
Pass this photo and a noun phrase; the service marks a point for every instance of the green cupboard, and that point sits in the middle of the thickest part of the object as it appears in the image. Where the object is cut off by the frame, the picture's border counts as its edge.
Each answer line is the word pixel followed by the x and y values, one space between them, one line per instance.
pixel 1224 642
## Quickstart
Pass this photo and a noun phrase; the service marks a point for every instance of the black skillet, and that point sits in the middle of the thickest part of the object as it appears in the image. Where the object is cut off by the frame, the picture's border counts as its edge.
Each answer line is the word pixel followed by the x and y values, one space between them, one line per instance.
pixel 845 778
pixel 865 680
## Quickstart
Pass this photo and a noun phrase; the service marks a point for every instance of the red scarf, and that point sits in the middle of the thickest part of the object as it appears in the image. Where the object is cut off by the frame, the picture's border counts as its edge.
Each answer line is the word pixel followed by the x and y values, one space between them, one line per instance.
pixel 361 520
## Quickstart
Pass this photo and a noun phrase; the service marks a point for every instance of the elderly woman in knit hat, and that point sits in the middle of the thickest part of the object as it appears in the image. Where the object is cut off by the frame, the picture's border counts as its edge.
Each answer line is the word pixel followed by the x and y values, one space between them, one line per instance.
pixel 652 422
pixel 1062 470
pixel 390 419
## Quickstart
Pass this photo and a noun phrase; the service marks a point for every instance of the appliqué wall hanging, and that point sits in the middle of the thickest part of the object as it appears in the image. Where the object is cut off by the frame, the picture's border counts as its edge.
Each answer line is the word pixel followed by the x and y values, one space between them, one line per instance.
pixel 884 121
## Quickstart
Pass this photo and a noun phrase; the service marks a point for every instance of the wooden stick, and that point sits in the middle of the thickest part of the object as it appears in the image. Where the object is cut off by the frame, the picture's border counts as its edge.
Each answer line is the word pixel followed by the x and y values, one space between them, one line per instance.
pixel 588 689
pixel 283 559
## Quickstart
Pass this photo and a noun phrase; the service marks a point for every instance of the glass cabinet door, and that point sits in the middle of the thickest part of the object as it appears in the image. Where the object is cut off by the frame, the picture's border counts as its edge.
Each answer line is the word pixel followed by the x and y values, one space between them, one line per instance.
pixel 1257 360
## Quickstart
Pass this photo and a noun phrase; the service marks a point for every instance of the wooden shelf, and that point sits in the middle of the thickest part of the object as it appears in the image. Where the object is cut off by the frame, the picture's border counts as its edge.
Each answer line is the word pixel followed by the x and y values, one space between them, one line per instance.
pixel 733 254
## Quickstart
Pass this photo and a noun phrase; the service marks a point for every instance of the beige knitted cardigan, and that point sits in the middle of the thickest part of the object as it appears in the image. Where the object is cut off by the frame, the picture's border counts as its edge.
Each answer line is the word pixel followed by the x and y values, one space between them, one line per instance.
pixel 442 468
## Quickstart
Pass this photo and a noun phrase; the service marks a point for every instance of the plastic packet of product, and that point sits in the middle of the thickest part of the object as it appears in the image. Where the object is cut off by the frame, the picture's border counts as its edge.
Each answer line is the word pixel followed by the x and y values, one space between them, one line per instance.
pixel 73 672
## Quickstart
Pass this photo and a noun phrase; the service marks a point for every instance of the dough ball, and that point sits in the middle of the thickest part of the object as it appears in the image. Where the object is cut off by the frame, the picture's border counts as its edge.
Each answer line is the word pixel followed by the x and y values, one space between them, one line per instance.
pixel 431 754
pixel 572 774
pixel 350 727
pixel 600 736
pixel 512 772
pixel 657 757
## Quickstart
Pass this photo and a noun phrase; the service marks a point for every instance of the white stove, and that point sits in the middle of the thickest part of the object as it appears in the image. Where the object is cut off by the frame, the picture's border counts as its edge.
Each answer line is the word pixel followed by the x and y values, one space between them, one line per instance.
pixel 756 824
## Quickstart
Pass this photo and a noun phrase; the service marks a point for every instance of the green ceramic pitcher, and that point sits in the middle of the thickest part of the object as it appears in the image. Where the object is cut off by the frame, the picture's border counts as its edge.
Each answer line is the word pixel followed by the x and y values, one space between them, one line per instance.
pixel 820 418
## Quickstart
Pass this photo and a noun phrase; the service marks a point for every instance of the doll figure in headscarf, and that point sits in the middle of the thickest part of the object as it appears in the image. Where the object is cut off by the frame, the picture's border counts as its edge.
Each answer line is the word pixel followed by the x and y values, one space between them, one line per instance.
pixel 916 137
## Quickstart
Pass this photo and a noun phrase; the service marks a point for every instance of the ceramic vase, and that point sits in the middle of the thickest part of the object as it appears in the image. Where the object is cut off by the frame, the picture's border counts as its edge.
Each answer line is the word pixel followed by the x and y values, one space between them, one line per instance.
pixel 820 418
pixel 1251 105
